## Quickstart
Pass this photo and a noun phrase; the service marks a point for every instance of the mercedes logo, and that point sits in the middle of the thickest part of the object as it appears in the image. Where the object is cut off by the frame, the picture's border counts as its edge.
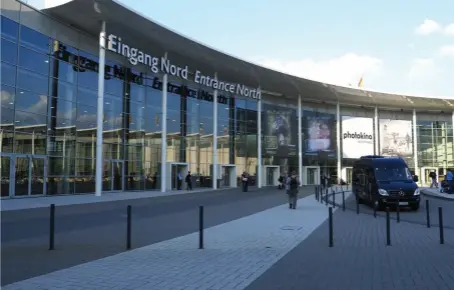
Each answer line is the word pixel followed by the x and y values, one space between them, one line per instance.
pixel 401 193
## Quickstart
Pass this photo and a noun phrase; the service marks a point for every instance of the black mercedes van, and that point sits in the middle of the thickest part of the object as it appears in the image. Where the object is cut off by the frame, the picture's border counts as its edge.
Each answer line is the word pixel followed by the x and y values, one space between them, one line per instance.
pixel 385 181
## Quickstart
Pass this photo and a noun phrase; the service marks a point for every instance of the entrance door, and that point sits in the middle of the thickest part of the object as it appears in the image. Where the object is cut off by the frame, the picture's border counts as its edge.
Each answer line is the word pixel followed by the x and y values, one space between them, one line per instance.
pixel 269 176
pixel 5 171
pixel 226 176
pixel 113 175
pixel 311 176
pixel 425 178
pixel 23 175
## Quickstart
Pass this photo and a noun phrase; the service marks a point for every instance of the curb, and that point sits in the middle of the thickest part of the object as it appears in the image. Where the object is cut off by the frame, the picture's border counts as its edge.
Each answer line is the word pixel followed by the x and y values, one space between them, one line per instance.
pixel 434 195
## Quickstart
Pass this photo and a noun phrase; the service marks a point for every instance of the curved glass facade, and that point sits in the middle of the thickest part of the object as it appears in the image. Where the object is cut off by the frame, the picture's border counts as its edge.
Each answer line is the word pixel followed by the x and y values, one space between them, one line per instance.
pixel 48 127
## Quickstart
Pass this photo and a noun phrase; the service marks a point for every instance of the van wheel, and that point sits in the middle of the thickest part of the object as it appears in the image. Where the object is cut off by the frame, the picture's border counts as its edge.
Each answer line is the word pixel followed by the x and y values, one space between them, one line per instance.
pixel 414 207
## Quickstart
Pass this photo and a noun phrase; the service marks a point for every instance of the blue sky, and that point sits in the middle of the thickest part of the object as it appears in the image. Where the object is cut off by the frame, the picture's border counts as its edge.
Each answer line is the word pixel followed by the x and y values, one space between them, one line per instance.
pixel 404 46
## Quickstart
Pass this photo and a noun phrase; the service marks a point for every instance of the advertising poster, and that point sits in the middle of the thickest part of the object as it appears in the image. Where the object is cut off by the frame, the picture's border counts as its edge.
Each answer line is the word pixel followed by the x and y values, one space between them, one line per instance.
pixel 319 133
pixel 357 137
pixel 280 131
pixel 396 138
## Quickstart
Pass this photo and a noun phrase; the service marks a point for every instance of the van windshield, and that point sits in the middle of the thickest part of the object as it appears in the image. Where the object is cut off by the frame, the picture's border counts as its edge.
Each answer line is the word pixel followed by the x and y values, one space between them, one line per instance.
pixel 393 174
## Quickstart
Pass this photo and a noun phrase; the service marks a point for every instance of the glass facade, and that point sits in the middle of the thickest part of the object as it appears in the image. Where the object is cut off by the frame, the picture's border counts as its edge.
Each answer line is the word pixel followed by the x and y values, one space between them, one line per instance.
pixel 49 112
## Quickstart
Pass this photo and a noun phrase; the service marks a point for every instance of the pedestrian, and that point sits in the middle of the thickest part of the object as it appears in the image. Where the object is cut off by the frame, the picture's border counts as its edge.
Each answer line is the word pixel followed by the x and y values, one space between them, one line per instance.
pixel 245 181
pixel 179 180
pixel 434 182
pixel 188 180
pixel 450 179
pixel 293 184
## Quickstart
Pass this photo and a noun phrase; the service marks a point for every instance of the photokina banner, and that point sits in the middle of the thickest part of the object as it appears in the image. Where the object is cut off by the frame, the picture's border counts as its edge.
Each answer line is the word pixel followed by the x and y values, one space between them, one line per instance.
pixel 357 137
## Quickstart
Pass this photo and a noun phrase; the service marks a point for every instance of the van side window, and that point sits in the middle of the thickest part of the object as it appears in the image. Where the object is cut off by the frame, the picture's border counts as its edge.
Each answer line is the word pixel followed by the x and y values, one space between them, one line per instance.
pixel 370 174
pixel 362 176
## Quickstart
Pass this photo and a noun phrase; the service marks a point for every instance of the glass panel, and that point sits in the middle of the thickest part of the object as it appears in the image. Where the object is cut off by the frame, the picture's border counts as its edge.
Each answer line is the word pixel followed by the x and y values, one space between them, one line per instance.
pixel 30 143
pixel 31 102
pixel 5 175
pixel 117 175
pixel 107 176
pixel 87 97
pixel 9 51
pixel 7 97
pixel 8 74
pixel 30 122
pixel 37 178
pixel 63 71
pixel 10 29
pixel 34 39
pixel 7 141
pixel 32 82
pixel 33 61
pixel 21 176
pixel 87 79
pixel 63 90
pixel 114 86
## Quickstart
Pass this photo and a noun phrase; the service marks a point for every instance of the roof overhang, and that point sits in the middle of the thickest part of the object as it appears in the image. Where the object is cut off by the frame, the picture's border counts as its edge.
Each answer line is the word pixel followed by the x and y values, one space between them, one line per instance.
pixel 144 34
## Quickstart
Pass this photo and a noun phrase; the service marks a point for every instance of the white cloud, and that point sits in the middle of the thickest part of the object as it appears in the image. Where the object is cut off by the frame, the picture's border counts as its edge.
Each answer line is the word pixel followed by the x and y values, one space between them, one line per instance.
pixel 343 70
pixel 428 27
pixel 422 68
pixel 447 50
pixel 449 29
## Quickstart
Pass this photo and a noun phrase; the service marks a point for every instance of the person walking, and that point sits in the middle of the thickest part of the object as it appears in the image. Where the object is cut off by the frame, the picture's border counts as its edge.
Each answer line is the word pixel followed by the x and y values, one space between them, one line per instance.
pixel 293 184
pixel 450 180
pixel 188 180
pixel 245 181
pixel 434 182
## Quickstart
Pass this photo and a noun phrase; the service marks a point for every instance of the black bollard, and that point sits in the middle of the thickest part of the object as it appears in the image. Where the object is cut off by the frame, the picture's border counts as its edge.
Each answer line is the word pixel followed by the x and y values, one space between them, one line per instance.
pixel 201 227
pixel 398 211
pixel 440 225
pixel 52 227
pixel 326 197
pixel 357 205
pixel 427 213
pixel 343 201
pixel 331 232
pixel 128 228
pixel 334 199
pixel 388 228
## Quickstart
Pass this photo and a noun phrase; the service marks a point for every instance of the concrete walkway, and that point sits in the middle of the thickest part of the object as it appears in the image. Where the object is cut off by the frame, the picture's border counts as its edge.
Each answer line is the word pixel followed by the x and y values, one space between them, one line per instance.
pixel 235 254
pixel 59 200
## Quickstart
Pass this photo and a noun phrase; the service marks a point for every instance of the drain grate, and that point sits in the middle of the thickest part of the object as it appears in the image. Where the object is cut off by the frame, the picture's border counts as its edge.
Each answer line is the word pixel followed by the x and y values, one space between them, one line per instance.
pixel 291 228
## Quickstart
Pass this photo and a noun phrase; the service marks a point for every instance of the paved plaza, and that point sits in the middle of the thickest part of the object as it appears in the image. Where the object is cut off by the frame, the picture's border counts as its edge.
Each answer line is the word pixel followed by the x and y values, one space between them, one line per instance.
pixel 235 254
pixel 264 246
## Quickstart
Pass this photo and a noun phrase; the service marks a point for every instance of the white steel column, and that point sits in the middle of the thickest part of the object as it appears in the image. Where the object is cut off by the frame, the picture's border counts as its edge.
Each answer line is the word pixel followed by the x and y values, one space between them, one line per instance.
pixel 415 143
pixel 338 144
pixel 259 143
pixel 300 141
pixel 215 137
pixel 164 133
pixel 376 128
pixel 100 109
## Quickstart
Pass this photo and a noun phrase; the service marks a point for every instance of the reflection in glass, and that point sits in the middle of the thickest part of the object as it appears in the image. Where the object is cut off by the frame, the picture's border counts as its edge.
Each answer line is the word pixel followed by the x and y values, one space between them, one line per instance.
pixel 25 120
pixel 30 143
pixel 31 102
pixel 87 97
pixel 10 29
pixel 33 39
pixel 37 178
pixel 63 70
pixel 8 73
pixel 6 141
pixel 7 97
pixel 32 82
pixel 62 90
pixel 107 176
pixel 22 177
pixel 9 51
pixel 34 61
